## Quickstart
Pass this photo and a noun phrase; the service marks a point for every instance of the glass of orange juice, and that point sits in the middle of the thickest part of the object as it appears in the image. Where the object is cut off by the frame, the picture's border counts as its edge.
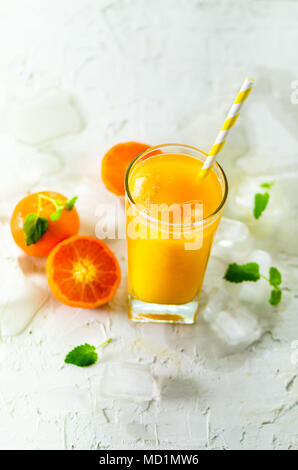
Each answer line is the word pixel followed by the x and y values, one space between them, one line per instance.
pixel 171 218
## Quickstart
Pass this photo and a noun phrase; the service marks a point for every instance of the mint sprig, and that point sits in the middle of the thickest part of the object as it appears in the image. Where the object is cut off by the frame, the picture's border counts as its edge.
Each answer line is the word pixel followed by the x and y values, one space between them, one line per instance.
pixel 34 228
pixel 84 355
pixel 251 272
pixel 261 202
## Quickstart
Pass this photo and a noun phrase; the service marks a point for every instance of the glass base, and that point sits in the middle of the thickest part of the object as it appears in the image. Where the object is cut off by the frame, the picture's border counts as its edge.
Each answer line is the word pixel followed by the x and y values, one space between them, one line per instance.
pixel 163 313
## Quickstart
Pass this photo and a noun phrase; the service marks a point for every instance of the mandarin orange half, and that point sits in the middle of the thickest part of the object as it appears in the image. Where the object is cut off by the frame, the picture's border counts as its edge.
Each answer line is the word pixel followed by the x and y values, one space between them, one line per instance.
pixel 83 272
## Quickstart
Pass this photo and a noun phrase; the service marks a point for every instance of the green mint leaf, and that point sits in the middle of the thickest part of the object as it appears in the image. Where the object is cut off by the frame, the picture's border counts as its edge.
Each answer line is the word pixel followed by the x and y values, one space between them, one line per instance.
pixel 69 205
pixel 245 272
pixel 275 296
pixel 274 277
pixel 82 356
pixel 56 215
pixel 34 228
pixel 267 185
pixel 261 201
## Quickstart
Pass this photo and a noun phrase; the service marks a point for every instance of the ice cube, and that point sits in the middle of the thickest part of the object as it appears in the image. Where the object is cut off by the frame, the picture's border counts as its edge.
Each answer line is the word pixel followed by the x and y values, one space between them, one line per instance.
pixel 287 235
pixel 241 199
pixel 214 274
pixel 263 258
pixel 290 268
pixel 277 226
pixel 128 381
pixel 254 292
pixel 240 205
pixel 217 301
pixel 20 299
pixel 47 117
pixel 232 322
pixel 236 327
pixel 274 216
pixel 287 230
pixel 232 240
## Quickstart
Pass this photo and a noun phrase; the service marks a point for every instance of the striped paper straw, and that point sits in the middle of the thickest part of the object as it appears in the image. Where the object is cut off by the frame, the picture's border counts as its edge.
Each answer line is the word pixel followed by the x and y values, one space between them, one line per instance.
pixel 229 122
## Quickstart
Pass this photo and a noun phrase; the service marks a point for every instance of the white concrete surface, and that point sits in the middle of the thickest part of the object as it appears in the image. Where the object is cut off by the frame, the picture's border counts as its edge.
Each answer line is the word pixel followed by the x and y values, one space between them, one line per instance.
pixel 77 76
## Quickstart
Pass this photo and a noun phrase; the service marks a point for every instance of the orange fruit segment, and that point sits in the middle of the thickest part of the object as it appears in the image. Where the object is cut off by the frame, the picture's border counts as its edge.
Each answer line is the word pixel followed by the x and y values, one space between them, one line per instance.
pixel 83 272
pixel 115 163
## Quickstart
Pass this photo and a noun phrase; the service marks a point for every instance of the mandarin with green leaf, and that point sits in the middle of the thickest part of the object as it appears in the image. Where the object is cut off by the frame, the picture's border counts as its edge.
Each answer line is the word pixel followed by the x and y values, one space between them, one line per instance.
pixel 34 229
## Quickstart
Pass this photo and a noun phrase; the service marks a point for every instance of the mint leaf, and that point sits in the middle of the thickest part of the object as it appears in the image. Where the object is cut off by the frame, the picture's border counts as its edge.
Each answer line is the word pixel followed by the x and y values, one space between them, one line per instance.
pixel 34 227
pixel 267 185
pixel 82 356
pixel 261 201
pixel 275 296
pixel 56 215
pixel 274 277
pixel 245 272
pixel 69 205
pixel 250 272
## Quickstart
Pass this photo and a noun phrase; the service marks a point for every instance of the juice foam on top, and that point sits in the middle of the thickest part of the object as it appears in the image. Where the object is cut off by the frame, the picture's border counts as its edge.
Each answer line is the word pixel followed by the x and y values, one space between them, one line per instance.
pixel 171 179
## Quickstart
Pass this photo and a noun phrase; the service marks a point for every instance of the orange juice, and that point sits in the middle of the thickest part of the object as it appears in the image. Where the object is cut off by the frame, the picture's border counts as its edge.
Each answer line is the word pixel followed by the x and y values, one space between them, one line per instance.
pixel 166 266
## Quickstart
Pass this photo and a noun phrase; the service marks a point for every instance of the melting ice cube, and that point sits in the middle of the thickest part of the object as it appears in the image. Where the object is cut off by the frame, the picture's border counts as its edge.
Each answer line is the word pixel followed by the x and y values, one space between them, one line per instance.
pixel 278 224
pixel 257 292
pixel 287 233
pixel 237 327
pixel 287 236
pixel 20 299
pixel 241 206
pixel 128 381
pixel 232 239
pixel 214 274
pixel 47 117
pixel 233 322
pixel 254 292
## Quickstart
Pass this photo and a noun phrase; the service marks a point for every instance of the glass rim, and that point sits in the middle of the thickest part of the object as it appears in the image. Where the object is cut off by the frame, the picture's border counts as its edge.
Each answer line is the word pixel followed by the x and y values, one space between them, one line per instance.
pixel 190 147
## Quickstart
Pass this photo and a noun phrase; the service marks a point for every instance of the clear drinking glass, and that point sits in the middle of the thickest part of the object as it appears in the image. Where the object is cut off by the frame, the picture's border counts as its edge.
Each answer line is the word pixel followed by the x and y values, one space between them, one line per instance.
pixel 167 260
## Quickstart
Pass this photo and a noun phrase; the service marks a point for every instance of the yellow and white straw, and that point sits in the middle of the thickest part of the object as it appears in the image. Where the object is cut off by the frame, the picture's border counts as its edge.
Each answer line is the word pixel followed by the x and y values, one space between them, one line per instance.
pixel 229 122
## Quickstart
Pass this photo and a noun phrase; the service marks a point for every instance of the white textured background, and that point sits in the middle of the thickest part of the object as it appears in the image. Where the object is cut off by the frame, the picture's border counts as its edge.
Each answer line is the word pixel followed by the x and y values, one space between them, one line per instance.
pixel 77 76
